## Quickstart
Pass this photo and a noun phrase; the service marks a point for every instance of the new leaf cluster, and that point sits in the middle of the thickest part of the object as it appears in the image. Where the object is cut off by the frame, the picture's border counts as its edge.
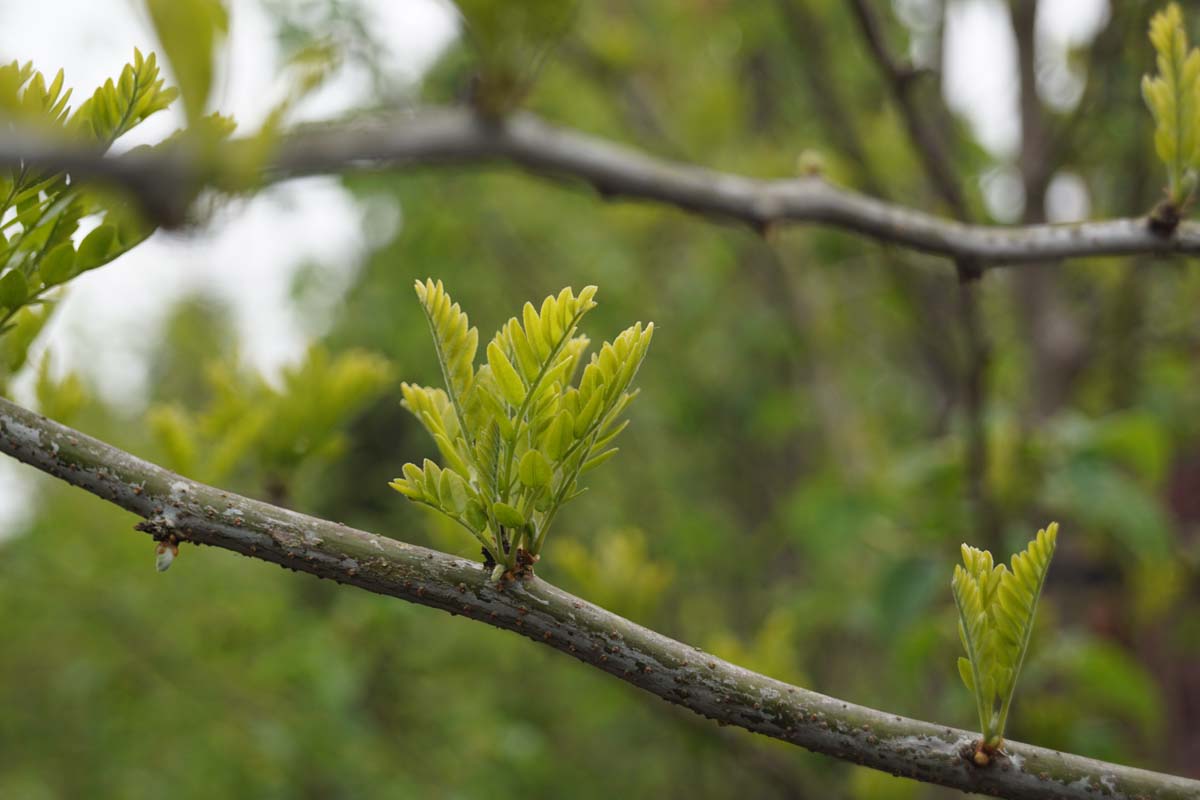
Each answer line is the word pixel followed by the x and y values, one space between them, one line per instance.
pixel 996 610
pixel 247 421
pixel 41 210
pixel 1173 97
pixel 516 433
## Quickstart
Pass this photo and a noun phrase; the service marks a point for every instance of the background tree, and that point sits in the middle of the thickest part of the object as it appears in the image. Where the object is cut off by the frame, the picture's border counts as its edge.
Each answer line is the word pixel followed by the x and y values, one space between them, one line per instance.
pixel 824 418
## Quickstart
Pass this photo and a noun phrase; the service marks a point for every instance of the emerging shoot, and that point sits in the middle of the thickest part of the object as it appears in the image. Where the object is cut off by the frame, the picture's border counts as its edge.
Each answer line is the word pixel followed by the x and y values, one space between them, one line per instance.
pixel 1173 96
pixel 996 610
pixel 515 435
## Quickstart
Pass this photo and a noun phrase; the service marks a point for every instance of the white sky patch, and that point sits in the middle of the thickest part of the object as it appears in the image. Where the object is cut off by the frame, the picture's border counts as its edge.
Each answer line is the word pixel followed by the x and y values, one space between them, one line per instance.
pixel 1072 23
pixel 981 77
pixel 1067 198
pixel 1063 25
pixel 981 72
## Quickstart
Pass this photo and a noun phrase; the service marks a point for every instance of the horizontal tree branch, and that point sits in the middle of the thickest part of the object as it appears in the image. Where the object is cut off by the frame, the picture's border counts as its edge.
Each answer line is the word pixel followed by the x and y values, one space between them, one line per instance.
pixel 165 179
pixel 174 506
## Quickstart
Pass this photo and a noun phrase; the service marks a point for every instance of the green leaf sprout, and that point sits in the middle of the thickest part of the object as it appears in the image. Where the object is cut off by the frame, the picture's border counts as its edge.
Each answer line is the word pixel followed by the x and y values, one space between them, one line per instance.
pixel 1173 96
pixel 515 435
pixel 996 610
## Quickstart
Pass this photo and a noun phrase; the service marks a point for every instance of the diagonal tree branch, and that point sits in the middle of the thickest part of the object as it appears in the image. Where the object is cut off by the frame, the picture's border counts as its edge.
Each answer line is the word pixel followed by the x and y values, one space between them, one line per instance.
pixel 164 179
pixel 174 506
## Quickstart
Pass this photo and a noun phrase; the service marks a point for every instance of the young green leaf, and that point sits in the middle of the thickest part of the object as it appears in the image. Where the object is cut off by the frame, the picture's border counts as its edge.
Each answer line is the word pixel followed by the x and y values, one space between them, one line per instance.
pixel 559 435
pixel 453 492
pixel 94 248
pixel 506 376
pixel 1173 97
pixel 454 341
pixel 596 461
pixel 58 265
pixel 13 289
pixel 996 611
pixel 507 515
pixel 534 470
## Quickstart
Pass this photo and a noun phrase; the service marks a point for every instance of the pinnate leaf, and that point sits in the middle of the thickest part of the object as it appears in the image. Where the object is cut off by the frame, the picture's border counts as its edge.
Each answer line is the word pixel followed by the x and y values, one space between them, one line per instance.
pixel 996 611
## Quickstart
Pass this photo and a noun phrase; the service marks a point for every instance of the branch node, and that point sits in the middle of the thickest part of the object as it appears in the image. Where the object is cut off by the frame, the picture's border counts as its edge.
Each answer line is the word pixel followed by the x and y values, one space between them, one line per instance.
pixel 969 270
pixel 1165 218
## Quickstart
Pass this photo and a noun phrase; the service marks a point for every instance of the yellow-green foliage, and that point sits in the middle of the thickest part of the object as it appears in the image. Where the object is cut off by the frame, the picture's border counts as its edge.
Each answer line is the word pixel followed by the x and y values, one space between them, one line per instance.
pixel 510 41
pixel 115 108
pixel 617 572
pixel 996 610
pixel 189 31
pixel 514 434
pixel 36 246
pixel 59 399
pixel 251 423
pixel 1174 99
pixel 41 210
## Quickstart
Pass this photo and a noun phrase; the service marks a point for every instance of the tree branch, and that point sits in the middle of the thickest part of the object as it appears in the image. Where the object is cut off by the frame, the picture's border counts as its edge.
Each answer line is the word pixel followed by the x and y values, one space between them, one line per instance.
pixel 174 506
pixel 164 179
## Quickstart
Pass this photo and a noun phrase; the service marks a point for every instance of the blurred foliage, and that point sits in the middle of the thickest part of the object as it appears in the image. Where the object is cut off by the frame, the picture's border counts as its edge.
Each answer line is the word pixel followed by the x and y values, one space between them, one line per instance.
pixel 268 431
pixel 509 42
pixel 190 32
pixel 795 464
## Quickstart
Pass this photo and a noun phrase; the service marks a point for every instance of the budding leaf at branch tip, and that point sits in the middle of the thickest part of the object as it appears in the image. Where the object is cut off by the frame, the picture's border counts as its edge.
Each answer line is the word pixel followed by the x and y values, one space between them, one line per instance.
pixel 514 434
pixel 1173 97
pixel 996 611
pixel 164 555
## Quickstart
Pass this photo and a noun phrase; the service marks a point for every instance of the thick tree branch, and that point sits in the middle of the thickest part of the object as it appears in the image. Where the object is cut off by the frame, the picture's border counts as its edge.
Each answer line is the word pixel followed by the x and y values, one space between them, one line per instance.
pixel 174 506
pixel 454 136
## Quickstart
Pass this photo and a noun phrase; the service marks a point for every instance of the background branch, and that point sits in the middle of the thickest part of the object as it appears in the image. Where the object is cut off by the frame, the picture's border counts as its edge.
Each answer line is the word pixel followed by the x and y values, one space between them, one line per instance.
pixel 174 506
pixel 922 132
pixel 939 170
pixel 164 180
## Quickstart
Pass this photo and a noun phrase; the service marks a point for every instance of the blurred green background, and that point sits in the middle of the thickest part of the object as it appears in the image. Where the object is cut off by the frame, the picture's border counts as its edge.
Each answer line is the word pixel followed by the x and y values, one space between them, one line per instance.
pixel 791 493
